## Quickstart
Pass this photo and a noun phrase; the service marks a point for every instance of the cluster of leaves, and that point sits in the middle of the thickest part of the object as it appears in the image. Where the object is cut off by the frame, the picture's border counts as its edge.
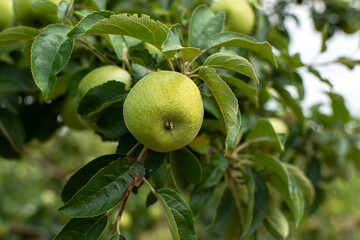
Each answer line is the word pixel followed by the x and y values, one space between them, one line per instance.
pixel 239 158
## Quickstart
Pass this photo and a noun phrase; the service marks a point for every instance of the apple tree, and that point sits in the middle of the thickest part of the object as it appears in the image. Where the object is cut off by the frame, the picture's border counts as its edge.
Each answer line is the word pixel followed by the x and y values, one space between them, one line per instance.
pixel 235 135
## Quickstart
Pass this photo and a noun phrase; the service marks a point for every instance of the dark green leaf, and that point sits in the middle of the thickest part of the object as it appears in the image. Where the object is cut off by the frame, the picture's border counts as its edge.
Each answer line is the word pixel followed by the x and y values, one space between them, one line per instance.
pixel 233 63
pixel 12 128
pixel 18 34
pixel 250 92
pixel 229 39
pixel 126 142
pixel 142 28
pixel 83 228
pixel 225 98
pixel 105 189
pixel 111 123
pixel 50 53
pixel 178 214
pixel 153 161
pixel 83 176
pixel 340 111
pixel 199 199
pixel 224 210
pixel 87 22
pixel 142 57
pixel 185 168
pixel 101 96
pixel 13 79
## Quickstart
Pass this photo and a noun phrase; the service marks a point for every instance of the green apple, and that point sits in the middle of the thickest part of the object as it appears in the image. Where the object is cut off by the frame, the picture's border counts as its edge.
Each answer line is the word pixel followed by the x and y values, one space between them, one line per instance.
pixel 27 15
pixel 100 76
pixel 6 14
pixel 164 111
pixel 240 16
pixel 70 116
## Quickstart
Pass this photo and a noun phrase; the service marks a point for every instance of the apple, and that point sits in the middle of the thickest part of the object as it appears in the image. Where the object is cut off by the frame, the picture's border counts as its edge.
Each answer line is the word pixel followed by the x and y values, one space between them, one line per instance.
pixel 70 116
pixel 164 111
pixel 6 14
pixel 26 14
pixel 240 16
pixel 100 76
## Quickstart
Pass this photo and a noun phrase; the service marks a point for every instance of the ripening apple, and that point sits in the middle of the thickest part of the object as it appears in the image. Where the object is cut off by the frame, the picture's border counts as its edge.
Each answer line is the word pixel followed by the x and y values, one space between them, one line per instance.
pixel 6 14
pixel 239 15
pixel 25 14
pixel 164 111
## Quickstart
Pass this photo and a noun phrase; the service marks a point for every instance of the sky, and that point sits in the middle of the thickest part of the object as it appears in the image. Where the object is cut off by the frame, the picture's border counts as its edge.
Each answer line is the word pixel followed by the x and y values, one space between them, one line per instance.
pixel 306 41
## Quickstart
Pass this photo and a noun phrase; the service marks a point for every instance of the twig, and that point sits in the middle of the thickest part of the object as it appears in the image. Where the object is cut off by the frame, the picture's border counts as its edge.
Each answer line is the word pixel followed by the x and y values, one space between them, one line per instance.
pixel 95 51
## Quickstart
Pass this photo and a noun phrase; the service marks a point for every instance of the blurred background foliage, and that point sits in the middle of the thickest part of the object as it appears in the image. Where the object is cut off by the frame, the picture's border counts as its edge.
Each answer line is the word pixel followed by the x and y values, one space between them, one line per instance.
pixel 30 186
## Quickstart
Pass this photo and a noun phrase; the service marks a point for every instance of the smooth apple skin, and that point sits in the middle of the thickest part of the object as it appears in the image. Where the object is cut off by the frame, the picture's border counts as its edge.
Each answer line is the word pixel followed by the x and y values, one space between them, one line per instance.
pixel 240 16
pixel 6 14
pixel 100 76
pixel 164 111
pixel 70 116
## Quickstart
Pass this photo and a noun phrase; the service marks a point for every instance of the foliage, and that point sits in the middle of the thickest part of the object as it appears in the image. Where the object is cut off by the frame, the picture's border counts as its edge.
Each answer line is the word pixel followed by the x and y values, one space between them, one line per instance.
pixel 256 176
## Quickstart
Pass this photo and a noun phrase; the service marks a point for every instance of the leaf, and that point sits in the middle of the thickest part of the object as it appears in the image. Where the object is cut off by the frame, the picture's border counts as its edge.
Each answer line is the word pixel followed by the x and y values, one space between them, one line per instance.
pixel 178 214
pixel 250 92
pixel 224 210
pixel 276 223
pixel 264 131
pixel 233 63
pixel 83 228
pixel 229 39
pixel 88 22
pixel 83 175
pixel 142 28
pixel 142 57
pixel 111 123
pixel 318 75
pixel 199 198
pixel 203 25
pixel 105 189
pixel 100 4
pixel 225 98
pixel 13 79
pixel 231 138
pixel 154 161
pixel 173 41
pixel 304 182
pixel 258 200
pixel 185 168
pixel 11 127
pixel 340 111
pixel 189 53
pixel 348 62
pixel 291 102
pixel 64 9
pixel 13 35
pixel 101 96
pixel 50 53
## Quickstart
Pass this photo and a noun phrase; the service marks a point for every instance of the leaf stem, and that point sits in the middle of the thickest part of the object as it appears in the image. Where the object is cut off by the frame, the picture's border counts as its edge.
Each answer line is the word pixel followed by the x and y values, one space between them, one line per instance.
pixel 194 59
pixel 149 185
pixel 95 51
pixel 121 211
pixel 142 155
pixel 133 149
pixel 170 63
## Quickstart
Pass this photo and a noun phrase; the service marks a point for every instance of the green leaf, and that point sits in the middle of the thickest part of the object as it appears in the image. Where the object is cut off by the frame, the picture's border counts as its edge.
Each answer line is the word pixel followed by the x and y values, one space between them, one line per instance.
pixel 50 53
pixel 83 175
pixel 154 161
pixel 101 96
pixel 44 7
pixel 224 210
pixel 348 62
pixel 257 202
pixel 189 53
pixel 18 34
pixel 225 98
pixel 263 131
pixel 105 189
pixel 203 25
pixel 229 39
pixel 185 168
pixel 83 228
pixel 100 4
pixel 233 63
pixel 340 112
pixel 13 79
pixel 250 92
pixel 64 9
pixel 291 102
pixel 12 128
pixel 88 22
pixel 142 57
pixel 317 74
pixel 173 41
pixel 199 198
pixel 305 184
pixel 231 138
pixel 178 214
pixel 142 28
pixel 111 123
pixel 276 223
